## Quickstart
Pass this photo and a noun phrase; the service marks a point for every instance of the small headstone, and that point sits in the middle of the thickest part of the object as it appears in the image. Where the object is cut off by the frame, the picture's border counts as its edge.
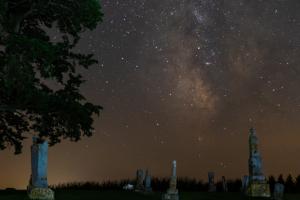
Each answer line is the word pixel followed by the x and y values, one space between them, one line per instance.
pixel 148 182
pixel 172 192
pixel 245 182
pixel 38 184
pixel 278 191
pixel 224 184
pixel 211 182
pixel 139 187
pixel 128 187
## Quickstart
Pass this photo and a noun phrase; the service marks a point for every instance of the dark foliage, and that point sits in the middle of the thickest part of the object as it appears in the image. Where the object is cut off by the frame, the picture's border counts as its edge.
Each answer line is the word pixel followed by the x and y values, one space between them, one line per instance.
pixel 30 58
pixel 290 184
pixel 158 185
pixel 183 184
pixel 108 185
pixel 272 182
pixel 280 179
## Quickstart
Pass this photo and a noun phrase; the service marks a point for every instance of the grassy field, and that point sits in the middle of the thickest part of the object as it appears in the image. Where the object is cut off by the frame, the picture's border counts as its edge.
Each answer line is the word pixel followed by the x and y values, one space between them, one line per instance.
pixel 118 195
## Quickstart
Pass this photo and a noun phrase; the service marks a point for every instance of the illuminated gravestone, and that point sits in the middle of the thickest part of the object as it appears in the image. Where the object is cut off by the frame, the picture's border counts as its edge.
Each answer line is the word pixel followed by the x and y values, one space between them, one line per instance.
pixel 38 184
pixel 148 182
pixel 258 186
pixel 172 192
pixel 211 182
pixel 224 184
pixel 139 187
pixel 278 191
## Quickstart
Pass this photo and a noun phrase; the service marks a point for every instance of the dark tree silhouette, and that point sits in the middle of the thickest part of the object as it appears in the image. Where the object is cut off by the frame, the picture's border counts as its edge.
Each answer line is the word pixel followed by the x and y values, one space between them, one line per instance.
pixel 289 184
pixel 280 179
pixel 272 182
pixel 29 58
pixel 297 184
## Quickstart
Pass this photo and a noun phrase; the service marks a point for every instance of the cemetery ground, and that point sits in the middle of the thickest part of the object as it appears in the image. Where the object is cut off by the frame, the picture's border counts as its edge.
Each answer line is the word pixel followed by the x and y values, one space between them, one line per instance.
pixel 124 195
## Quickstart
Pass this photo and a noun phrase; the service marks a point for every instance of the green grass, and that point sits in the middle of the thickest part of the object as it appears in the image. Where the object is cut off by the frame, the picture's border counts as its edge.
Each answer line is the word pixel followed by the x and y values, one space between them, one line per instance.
pixel 119 195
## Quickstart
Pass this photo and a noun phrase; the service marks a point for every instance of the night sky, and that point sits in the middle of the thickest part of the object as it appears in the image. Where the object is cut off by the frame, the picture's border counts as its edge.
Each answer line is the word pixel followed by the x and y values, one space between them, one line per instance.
pixel 184 80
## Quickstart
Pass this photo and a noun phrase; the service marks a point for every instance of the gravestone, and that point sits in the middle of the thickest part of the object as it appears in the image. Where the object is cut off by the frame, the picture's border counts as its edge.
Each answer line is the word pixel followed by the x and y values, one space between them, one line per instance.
pixel 38 184
pixel 258 186
pixel 211 182
pixel 139 187
pixel 172 192
pixel 278 191
pixel 245 182
pixel 224 184
pixel 148 182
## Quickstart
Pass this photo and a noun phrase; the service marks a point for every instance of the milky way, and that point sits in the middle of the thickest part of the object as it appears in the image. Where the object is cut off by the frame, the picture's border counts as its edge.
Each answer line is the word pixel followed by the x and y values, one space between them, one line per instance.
pixel 185 80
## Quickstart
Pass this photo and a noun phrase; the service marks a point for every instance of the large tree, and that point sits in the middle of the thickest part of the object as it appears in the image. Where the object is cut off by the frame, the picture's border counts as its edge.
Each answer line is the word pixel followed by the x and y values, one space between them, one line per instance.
pixel 29 58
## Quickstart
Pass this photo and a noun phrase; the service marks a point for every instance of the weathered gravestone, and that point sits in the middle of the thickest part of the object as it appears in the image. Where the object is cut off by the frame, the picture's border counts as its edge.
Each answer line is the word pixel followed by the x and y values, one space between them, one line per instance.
pixel 224 184
pixel 278 191
pixel 148 182
pixel 245 182
pixel 172 192
pixel 258 186
pixel 211 182
pixel 38 184
pixel 139 187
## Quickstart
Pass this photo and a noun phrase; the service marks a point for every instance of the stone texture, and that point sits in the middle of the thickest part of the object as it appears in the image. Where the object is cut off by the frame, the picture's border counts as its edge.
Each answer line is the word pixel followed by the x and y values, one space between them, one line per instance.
pixel 41 194
pixel 224 184
pixel 39 163
pixel 258 186
pixel 139 187
pixel 278 191
pixel 172 192
pixel 245 183
pixel 38 184
pixel 148 187
pixel 211 182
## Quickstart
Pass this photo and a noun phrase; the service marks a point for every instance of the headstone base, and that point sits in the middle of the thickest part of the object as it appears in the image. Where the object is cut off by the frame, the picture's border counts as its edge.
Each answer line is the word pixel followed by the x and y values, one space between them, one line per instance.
pixel 148 190
pixel 258 189
pixel 212 188
pixel 168 196
pixel 41 194
pixel 139 190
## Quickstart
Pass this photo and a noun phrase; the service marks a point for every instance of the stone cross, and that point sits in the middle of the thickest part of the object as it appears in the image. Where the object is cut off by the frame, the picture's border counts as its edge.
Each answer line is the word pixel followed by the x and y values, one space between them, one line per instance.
pixel 278 191
pixel 39 162
pixel 211 182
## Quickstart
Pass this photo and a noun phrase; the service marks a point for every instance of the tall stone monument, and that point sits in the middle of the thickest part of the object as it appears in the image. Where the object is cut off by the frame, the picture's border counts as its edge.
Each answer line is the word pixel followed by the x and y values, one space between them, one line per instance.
pixel 172 192
pixel 148 182
pixel 38 184
pixel 258 186
pixel 211 182
pixel 139 187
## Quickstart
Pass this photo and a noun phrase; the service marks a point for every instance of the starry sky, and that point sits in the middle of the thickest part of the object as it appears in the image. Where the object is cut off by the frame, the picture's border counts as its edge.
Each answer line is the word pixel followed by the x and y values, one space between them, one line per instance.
pixel 184 80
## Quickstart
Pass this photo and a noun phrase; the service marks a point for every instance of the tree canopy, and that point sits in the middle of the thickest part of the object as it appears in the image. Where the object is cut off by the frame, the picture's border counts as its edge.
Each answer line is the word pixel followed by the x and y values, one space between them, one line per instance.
pixel 29 57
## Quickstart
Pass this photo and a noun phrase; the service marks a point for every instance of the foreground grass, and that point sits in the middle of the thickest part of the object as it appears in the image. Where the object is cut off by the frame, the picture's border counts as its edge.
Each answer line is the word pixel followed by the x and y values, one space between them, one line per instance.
pixel 121 195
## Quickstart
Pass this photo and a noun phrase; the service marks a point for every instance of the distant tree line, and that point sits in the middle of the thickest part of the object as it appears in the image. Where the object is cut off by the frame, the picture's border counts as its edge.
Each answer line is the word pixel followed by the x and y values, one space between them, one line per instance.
pixel 292 185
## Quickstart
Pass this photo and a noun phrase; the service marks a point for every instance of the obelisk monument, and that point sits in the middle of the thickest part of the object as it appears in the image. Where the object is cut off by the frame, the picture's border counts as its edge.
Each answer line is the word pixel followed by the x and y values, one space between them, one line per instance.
pixel 257 186
pixel 172 192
